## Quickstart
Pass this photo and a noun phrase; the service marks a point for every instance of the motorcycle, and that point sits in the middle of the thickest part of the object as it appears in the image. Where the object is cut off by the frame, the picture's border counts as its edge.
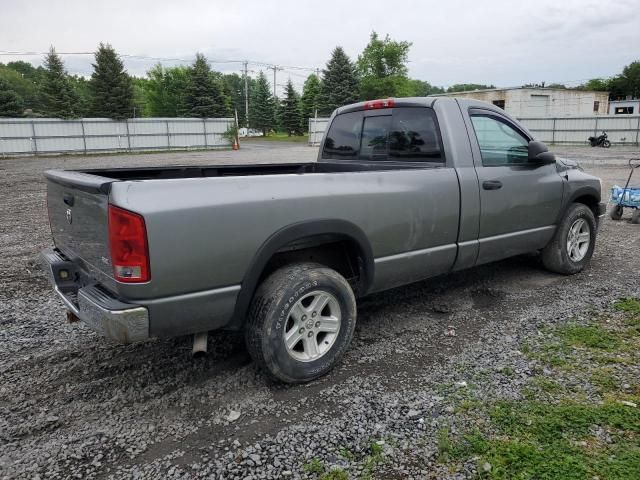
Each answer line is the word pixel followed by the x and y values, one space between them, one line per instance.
pixel 600 141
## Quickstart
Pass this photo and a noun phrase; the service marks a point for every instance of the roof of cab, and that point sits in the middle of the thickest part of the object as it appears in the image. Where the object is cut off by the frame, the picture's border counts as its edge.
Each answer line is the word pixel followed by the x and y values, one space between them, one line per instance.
pixel 397 102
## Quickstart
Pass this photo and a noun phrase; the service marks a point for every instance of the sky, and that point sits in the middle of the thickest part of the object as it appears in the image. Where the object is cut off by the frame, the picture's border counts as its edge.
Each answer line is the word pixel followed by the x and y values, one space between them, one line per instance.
pixel 500 42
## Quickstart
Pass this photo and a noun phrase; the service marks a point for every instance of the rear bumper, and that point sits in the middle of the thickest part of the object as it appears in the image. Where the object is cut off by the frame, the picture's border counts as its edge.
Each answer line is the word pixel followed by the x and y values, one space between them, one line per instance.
pixel 120 321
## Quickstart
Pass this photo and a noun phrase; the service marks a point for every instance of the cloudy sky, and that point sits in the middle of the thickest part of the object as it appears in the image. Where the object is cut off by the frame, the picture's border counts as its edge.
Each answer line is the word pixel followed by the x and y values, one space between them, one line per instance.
pixel 502 42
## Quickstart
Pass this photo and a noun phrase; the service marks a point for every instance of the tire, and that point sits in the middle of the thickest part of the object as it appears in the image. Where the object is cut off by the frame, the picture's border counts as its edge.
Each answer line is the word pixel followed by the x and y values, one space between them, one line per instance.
pixel 635 218
pixel 567 252
pixel 616 212
pixel 284 304
pixel 606 144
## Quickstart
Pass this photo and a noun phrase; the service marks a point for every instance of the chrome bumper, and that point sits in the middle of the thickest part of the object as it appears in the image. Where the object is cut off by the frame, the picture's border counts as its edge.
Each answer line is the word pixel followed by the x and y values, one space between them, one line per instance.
pixel 120 321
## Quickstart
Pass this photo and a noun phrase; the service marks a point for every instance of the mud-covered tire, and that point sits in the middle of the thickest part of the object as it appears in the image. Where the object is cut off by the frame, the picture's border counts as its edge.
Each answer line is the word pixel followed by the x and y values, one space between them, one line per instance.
pixel 616 212
pixel 270 315
pixel 556 255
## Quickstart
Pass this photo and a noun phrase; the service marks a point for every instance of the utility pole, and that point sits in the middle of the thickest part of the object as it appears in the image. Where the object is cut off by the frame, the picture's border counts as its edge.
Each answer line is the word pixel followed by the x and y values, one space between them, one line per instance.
pixel 246 92
pixel 275 68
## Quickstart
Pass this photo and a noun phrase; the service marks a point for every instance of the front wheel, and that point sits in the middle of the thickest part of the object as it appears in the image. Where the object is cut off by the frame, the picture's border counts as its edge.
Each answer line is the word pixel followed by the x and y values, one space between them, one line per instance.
pixel 606 144
pixel 301 322
pixel 571 247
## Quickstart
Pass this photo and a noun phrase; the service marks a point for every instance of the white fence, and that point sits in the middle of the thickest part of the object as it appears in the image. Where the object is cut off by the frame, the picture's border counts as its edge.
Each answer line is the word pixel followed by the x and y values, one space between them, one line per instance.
pixel 317 126
pixel 42 136
pixel 621 129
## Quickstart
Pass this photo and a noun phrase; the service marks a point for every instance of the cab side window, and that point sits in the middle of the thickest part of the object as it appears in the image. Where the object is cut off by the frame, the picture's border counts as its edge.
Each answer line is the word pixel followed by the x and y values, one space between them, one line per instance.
pixel 500 143
pixel 403 134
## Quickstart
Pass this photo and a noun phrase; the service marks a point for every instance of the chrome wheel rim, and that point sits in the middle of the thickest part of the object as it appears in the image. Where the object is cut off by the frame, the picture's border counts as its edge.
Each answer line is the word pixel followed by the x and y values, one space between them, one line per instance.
pixel 578 240
pixel 312 326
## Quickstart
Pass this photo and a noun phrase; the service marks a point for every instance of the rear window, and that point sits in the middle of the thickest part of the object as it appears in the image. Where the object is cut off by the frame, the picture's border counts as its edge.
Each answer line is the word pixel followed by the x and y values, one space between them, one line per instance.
pixel 407 134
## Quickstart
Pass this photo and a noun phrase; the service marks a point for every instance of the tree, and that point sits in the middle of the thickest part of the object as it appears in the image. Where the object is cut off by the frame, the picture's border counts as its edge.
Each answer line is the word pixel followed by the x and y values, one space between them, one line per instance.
pixel 596 84
pixel 25 86
pixel 234 88
pixel 111 86
pixel 82 91
pixel 465 87
pixel 140 108
pixel 382 68
pixel 339 83
pixel 165 90
pixel 59 97
pixel 310 97
pixel 10 101
pixel 420 88
pixel 262 112
pixel 290 113
pixel 204 96
pixel 629 81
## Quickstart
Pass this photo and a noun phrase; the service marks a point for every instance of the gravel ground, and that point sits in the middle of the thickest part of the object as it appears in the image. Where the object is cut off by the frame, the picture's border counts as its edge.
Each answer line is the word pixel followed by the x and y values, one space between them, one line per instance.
pixel 73 405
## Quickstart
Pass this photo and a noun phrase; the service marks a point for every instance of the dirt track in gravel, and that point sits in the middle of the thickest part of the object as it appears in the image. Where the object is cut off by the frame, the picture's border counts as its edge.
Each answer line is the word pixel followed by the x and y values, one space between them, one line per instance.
pixel 73 403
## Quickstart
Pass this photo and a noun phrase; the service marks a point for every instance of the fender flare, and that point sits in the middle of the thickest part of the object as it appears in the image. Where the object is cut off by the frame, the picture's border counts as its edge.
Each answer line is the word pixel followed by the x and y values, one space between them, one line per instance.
pixel 288 234
pixel 583 191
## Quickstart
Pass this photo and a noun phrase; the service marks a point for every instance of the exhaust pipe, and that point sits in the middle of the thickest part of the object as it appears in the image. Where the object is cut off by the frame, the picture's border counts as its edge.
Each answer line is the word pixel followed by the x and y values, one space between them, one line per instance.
pixel 200 344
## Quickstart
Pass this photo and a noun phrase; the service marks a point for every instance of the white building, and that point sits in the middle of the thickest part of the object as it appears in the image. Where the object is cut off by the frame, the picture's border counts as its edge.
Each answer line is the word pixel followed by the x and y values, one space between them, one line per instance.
pixel 624 107
pixel 524 102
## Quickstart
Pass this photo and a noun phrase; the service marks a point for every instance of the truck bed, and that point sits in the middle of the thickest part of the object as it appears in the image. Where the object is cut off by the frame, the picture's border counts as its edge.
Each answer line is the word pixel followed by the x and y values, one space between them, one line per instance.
pixel 187 171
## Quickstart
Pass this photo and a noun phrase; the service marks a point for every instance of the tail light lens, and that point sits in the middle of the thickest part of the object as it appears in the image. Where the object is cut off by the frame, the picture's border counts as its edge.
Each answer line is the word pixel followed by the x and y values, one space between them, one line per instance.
pixel 128 246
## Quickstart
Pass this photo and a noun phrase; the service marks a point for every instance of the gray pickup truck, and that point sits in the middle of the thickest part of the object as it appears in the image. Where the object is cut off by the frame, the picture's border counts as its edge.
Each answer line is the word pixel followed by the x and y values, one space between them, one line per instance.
pixel 403 190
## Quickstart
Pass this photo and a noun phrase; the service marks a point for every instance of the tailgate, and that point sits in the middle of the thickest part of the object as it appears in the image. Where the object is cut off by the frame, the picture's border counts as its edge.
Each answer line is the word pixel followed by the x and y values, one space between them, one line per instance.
pixel 77 204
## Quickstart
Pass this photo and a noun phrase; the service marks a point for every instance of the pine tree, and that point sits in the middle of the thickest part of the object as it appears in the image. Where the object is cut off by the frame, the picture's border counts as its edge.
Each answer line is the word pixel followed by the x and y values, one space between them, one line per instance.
pixel 204 96
pixel 290 113
pixel 262 108
pixel 10 101
pixel 111 85
pixel 339 83
pixel 60 99
pixel 310 97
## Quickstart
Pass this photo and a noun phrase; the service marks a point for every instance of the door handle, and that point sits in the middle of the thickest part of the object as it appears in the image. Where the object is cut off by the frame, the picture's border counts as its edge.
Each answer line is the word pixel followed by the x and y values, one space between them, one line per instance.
pixel 68 199
pixel 492 184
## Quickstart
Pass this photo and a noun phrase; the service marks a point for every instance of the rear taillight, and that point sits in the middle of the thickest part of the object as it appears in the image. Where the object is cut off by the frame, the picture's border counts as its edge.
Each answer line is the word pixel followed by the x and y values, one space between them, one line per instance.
pixel 374 104
pixel 128 246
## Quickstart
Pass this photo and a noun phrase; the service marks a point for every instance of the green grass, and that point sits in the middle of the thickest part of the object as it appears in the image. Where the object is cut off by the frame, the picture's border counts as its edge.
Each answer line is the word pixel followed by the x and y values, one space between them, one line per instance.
pixel 556 431
pixel 372 460
pixel 335 474
pixel 628 305
pixel 277 137
pixel 589 336
pixel 314 466
pixel 348 454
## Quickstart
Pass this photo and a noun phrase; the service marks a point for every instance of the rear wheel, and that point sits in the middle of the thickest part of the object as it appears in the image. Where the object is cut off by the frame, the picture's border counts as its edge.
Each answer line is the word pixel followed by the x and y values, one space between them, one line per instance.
pixel 571 247
pixel 616 212
pixel 301 322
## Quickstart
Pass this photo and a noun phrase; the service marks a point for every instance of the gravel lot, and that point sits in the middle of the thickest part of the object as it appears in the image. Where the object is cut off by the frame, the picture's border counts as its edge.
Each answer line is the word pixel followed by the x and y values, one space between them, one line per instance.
pixel 73 405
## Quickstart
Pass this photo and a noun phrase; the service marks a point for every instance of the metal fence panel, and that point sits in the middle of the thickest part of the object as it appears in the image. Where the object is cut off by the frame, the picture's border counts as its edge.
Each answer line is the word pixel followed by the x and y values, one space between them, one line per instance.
pixel 317 126
pixel 622 130
pixel 46 135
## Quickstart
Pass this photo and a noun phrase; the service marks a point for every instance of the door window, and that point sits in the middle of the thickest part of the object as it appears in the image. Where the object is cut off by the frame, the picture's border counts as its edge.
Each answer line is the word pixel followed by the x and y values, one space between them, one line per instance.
pixel 500 143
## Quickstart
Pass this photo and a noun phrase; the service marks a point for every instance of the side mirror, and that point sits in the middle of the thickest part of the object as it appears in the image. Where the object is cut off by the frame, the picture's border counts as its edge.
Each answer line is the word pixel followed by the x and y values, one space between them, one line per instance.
pixel 539 153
